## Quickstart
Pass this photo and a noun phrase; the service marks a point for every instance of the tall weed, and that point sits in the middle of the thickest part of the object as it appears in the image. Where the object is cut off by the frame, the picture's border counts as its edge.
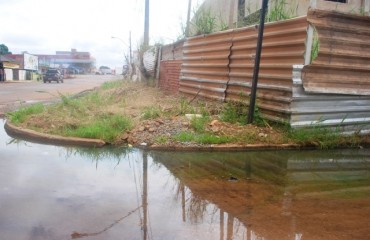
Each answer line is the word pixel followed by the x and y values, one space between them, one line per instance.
pixel 279 11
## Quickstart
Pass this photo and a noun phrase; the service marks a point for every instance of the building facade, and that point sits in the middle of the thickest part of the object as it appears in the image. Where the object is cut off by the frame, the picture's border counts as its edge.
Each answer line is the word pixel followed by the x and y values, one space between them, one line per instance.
pixel 79 62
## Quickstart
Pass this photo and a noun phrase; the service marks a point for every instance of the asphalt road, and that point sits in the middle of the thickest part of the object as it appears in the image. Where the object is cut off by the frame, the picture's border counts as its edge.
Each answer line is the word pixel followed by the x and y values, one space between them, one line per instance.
pixel 14 94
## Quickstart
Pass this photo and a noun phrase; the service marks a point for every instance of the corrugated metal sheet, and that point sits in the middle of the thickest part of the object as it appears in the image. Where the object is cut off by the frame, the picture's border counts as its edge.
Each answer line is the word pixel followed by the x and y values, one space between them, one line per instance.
pixel 347 113
pixel 343 62
pixel 150 60
pixel 220 66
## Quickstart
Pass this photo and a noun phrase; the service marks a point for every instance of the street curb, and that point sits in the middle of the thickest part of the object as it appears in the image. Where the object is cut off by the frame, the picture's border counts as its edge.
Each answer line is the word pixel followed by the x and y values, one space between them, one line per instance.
pixel 228 147
pixel 33 136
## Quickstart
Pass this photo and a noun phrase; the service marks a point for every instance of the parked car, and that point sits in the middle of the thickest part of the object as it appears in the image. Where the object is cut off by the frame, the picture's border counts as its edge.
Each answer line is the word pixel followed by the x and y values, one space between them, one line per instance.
pixel 53 75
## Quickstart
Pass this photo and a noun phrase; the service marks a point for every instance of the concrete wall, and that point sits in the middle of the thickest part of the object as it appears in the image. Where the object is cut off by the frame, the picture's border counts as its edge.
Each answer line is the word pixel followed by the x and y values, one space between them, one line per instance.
pixel 227 10
pixel 300 7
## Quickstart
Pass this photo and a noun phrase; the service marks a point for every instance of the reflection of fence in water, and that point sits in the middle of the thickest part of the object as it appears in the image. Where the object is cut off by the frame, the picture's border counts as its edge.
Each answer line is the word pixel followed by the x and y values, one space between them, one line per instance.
pixel 264 179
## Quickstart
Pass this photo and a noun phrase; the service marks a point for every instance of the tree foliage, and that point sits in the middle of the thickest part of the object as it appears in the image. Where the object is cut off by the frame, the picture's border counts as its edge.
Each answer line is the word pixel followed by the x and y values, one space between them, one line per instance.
pixel 103 67
pixel 4 49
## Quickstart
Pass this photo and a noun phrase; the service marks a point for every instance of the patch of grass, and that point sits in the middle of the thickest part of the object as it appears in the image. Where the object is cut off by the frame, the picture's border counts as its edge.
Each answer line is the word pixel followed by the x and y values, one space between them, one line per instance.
pixel 203 138
pixel 184 137
pixel 112 84
pixel 325 138
pixel 237 112
pixel 234 112
pixel 199 123
pixel 107 128
pixel 184 107
pixel 23 113
pixel 161 139
pixel 91 115
pixel 151 113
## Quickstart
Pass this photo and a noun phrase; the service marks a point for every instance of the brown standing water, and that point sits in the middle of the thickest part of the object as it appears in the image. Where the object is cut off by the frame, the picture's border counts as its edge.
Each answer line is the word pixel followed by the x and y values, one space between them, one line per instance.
pixel 50 192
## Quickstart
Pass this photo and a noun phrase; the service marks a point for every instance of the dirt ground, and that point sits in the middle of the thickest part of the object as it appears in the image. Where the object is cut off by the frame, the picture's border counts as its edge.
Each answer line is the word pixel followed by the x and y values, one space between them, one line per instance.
pixel 147 132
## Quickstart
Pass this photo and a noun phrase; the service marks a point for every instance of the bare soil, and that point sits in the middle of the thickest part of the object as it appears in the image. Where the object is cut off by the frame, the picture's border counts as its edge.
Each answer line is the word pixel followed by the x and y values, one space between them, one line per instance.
pixel 171 122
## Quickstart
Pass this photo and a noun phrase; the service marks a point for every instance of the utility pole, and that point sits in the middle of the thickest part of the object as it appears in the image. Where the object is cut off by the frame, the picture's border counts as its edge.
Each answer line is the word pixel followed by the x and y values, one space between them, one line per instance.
pixel 146 24
pixel 253 95
pixel 188 20
pixel 130 49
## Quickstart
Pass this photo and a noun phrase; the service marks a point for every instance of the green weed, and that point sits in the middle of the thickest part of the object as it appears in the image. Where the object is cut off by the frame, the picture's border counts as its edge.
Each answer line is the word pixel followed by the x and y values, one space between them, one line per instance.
pixel 315 47
pixel 237 112
pixel 234 112
pixel 324 137
pixel 112 84
pixel 151 113
pixel 184 107
pixel 161 140
pixel 279 11
pixel 107 128
pixel 204 22
pixel 23 113
pixel 203 138
pixel 199 123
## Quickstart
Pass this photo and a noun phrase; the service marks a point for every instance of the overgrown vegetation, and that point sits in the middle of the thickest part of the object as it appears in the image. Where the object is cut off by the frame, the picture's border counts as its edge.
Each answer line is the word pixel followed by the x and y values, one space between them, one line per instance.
pixel 280 10
pixel 101 114
pixel 206 22
pixel 87 116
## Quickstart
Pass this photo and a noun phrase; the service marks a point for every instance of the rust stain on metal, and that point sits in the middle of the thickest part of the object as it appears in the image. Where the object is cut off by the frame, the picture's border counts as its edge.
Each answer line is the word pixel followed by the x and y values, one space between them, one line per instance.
pixel 343 62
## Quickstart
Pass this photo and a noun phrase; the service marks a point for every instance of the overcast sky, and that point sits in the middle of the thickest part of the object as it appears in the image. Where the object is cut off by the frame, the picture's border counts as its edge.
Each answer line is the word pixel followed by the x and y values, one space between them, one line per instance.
pixel 46 26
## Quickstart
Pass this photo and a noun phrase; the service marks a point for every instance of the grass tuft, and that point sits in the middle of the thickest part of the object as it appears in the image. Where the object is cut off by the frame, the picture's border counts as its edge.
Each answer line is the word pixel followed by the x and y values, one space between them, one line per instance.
pixel 151 113
pixel 107 128
pixel 112 84
pixel 23 113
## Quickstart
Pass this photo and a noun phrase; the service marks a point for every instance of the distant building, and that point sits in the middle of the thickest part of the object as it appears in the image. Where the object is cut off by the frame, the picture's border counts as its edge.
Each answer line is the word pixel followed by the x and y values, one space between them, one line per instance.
pixel 11 69
pixel 80 62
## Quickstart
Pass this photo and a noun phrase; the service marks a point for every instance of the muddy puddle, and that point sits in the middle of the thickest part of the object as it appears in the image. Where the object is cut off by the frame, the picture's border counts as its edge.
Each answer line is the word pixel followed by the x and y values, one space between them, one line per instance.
pixel 50 192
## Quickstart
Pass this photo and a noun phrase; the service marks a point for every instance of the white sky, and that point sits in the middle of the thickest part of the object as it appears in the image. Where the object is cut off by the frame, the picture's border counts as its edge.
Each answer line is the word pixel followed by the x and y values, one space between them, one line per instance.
pixel 46 26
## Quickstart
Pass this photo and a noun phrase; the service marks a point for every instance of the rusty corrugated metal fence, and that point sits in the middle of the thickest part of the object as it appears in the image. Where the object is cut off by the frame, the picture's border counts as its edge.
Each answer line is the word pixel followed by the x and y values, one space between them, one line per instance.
pixel 220 66
pixel 343 62
pixel 332 91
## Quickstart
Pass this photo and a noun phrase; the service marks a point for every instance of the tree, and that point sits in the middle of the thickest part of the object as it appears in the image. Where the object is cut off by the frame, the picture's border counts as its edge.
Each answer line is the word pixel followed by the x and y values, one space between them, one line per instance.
pixel 4 49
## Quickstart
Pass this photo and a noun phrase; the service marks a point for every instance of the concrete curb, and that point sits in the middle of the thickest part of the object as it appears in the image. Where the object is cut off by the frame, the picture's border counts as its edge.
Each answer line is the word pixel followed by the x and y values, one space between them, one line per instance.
pixel 33 136
pixel 228 147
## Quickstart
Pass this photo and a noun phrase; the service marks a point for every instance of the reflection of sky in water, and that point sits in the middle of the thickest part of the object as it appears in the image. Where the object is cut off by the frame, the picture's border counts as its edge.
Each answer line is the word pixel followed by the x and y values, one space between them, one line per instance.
pixel 50 192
